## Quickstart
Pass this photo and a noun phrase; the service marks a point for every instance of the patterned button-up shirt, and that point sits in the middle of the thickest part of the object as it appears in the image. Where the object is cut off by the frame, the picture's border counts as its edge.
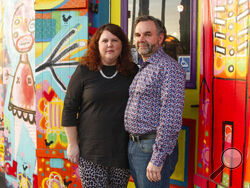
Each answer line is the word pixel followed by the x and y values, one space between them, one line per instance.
pixel 156 100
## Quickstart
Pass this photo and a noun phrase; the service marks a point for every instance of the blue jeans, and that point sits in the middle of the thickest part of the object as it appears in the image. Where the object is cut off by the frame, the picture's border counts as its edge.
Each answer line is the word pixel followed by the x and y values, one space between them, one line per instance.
pixel 139 155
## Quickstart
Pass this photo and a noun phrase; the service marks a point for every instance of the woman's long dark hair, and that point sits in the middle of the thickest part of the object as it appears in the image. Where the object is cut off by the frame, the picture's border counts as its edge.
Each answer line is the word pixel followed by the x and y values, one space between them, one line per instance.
pixel 92 59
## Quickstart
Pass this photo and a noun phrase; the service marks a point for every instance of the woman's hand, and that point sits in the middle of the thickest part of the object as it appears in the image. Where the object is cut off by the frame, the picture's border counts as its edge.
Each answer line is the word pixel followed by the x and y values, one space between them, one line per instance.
pixel 73 153
pixel 73 147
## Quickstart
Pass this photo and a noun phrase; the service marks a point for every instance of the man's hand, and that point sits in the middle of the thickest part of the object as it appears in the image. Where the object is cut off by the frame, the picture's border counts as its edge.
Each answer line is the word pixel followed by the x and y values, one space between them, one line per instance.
pixel 73 153
pixel 153 172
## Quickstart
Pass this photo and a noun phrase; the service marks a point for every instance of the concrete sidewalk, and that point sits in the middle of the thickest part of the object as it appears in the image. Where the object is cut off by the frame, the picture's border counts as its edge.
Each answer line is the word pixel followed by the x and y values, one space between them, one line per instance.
pixel 2 181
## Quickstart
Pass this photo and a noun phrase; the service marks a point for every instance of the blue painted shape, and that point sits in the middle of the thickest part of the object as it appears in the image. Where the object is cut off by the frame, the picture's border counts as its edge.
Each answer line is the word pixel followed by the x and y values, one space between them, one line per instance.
pixel 65 154
pixel 56 163
pixel 200 165
pixel 26 154
pixel 43 34
pixel 102 17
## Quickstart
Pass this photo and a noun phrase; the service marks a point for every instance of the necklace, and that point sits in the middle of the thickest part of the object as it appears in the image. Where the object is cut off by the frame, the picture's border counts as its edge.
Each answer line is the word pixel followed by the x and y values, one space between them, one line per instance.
pixel 108 77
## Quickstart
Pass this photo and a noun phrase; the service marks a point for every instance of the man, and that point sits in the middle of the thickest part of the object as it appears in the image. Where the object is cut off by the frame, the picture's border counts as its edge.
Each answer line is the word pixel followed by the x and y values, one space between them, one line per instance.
pixel 153 115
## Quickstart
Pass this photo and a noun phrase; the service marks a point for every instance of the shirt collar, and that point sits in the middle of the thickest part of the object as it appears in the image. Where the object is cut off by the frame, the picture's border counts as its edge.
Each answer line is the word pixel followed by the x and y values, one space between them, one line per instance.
pixel 153 58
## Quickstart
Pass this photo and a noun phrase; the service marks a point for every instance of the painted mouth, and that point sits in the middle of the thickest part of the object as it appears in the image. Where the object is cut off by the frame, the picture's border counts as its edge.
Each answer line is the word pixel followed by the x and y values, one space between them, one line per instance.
pixel 24 43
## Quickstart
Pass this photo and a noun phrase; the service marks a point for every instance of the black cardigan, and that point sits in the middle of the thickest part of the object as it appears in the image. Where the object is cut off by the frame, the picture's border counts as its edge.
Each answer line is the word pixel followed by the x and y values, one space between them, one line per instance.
pixel 96 106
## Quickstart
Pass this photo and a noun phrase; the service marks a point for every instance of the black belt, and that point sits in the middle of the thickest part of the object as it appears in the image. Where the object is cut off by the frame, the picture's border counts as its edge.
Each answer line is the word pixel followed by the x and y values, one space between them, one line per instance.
pixel 136 138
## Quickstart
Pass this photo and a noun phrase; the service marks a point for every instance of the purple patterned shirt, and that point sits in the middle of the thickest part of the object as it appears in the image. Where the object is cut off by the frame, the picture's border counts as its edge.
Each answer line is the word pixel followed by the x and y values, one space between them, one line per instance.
pixel 156 100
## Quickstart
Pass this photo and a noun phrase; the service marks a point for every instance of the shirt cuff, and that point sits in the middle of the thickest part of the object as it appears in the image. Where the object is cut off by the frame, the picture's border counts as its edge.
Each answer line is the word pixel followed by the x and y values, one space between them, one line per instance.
pixel 158 158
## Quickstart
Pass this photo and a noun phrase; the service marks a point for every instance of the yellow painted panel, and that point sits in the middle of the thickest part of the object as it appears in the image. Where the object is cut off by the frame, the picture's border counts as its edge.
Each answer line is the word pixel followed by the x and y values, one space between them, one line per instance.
pixel 179 173
pixel 115 8
pixel 191 98
pixel 131 185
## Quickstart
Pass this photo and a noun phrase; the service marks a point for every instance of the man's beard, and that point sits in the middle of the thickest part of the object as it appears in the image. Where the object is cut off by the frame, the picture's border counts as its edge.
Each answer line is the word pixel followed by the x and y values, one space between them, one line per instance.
pixel 146 51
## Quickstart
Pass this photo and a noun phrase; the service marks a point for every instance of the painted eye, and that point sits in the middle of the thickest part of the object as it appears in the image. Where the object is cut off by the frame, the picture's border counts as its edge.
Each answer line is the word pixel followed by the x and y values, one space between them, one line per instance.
pixel 32 26
pixel 17 21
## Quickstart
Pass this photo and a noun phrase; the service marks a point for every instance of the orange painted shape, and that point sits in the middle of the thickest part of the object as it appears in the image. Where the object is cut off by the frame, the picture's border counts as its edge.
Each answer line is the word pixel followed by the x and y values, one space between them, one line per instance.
pixel 48 15
pixel 66 176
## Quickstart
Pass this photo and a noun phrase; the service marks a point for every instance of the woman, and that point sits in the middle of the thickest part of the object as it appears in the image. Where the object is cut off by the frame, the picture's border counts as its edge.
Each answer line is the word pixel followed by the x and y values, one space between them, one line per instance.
pixel 94 108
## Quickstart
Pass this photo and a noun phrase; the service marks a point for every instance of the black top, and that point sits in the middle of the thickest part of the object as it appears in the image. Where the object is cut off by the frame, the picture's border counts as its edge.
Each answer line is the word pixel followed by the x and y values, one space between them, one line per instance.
pixel 100 103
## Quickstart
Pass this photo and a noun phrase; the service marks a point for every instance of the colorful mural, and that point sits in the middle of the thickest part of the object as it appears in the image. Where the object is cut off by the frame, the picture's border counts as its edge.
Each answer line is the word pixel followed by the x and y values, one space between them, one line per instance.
pixel 223 145
pixel 61 38
pixel 19 93
pixel 2 93
pixel 34 74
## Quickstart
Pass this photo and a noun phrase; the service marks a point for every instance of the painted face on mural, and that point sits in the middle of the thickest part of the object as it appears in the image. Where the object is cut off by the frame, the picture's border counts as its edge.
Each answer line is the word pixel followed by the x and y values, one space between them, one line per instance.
pixel 23 91
pixel 23 28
